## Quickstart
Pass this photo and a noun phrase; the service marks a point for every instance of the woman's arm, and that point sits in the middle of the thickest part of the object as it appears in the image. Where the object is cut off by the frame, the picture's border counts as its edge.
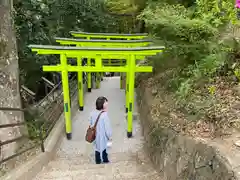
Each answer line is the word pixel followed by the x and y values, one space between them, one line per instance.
pixel 107 126
pixel 90 120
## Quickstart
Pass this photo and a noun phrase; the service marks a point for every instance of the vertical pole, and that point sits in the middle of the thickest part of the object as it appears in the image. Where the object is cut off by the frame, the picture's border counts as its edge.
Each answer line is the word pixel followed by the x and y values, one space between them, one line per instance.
pixel 89 76
pixel 80 85
pixel 66 99
pixel 121 81
pixel 98 64
pixel 101 76
pixel 131 74
pixel 93 75
pixel 121 78
pixel 109 64
pixel 98 80
pixel 127 82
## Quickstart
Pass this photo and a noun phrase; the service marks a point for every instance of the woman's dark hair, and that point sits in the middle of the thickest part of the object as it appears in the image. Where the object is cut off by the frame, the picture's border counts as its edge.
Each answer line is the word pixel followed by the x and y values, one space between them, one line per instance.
pixel 100 101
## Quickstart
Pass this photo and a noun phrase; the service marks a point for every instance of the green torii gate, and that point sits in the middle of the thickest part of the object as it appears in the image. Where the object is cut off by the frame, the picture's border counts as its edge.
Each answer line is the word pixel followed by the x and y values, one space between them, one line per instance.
pixel 101 43
pixel 108 36
pixel 98 54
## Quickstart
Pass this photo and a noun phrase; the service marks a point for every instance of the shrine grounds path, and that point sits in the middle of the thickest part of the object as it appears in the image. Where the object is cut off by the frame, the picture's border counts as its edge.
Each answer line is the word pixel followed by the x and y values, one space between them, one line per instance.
pixel 74 158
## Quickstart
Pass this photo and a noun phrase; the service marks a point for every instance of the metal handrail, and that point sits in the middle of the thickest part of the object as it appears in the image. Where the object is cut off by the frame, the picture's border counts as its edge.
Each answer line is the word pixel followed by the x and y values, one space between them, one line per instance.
pixel 51 92
pixel 39 124
pixel 11 125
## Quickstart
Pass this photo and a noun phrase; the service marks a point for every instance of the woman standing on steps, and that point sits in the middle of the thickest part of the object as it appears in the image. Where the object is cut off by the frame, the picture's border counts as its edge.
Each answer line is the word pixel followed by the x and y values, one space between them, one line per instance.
pixel 103 130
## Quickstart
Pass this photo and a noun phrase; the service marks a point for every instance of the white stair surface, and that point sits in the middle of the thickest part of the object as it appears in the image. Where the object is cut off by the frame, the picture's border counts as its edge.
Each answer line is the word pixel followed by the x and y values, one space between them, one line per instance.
pixel 75 158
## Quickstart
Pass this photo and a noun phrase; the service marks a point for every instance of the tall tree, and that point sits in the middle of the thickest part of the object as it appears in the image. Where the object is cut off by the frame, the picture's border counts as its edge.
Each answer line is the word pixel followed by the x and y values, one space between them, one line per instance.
pixel 9 78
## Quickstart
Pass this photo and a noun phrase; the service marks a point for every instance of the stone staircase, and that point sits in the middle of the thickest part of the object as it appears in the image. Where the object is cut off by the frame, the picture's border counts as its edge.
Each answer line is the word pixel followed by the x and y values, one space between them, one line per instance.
pixel 74 158
pixel 123 166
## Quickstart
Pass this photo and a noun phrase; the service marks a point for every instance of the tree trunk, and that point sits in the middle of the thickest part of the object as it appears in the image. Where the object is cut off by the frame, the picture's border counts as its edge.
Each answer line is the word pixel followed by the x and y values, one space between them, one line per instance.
pixel 9 79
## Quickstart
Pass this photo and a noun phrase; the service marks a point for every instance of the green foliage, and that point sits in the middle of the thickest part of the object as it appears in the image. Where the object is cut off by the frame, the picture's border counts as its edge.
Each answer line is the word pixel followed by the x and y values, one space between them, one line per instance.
pixel 125 11
pixel 215 12
pixel 184 37
pixel 193 37
pixel 186 3
pixel 121 6
pixel 34 123
pixel 39 21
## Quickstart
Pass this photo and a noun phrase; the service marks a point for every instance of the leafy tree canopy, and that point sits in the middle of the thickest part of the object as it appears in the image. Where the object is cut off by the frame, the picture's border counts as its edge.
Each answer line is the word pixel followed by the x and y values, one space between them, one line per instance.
pixel 38 21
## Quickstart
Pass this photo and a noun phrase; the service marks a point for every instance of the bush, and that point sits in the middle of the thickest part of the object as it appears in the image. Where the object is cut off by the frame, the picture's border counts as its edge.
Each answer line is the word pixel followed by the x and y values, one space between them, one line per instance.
pixel 191 39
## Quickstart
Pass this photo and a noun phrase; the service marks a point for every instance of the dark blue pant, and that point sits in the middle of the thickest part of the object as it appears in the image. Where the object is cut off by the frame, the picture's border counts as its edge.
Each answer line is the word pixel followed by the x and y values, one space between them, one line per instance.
pixel 104 157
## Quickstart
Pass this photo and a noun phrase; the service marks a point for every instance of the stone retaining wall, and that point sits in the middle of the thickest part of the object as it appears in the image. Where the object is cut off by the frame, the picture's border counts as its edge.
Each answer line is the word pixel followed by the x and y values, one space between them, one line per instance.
pixel 177 156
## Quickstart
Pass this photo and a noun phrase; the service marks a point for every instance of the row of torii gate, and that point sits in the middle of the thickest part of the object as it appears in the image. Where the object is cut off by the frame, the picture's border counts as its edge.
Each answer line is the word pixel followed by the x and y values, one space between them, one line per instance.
pixel 111 52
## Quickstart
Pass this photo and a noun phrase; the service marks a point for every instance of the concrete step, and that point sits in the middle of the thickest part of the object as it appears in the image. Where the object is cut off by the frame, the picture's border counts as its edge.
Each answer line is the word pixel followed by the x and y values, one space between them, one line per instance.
pixel 121 176
pixel 83 159
pixel 100 173
pixel 139 157
pixel 124 165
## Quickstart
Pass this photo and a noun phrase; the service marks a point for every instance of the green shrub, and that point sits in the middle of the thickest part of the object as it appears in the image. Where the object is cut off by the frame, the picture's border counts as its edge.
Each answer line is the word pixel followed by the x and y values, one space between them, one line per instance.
pixel 192 36
pixel 185 38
